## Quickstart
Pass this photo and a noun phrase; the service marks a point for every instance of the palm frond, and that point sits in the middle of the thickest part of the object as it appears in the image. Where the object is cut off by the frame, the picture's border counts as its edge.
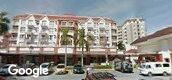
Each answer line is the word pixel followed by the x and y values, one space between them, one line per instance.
pixel 5 20
pixel 2 14
pixel 3 28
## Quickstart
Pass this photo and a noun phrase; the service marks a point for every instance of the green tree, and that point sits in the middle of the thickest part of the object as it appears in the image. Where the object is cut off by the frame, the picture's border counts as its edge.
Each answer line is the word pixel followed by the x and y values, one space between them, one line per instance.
pixel 65 40
pixel 84 42
pixel 75 38
pixel 121 46
pixel 4 21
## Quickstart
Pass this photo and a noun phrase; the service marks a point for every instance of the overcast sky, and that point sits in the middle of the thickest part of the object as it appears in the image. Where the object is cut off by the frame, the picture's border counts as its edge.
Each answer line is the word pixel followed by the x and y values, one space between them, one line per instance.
pixel 157 13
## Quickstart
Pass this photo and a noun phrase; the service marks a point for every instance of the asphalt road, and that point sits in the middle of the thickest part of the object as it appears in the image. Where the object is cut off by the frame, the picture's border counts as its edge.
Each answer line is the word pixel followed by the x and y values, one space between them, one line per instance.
pixel 70 76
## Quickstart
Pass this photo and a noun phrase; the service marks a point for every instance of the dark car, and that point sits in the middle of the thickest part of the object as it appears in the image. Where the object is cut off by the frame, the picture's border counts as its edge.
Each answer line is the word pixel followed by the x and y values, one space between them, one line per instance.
pixel 124 66
pixel 27 65
pixel 77 69
pixel 100 76
pixel 4 69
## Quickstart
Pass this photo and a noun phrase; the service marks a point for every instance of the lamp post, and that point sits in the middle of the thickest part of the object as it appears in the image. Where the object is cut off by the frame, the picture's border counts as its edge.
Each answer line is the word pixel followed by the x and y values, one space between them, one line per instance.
pixel 31 49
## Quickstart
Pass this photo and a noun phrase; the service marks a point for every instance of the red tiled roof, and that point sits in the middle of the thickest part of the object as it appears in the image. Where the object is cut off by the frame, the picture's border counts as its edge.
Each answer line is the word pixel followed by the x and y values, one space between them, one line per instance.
pixel 59 17
pixel 52 17
pixel 159 33
pixel 39 17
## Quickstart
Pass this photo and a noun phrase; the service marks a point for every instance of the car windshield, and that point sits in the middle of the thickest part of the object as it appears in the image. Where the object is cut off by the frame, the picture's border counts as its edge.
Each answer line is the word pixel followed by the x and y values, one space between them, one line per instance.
pixel 6 66
pixel 142 66
pixel 77 66
pixel 129 65
pixel 60 66
pixel 44 66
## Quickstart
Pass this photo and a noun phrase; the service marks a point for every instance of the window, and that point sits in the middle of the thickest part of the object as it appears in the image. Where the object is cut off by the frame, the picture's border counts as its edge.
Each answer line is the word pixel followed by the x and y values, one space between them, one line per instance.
pixel 23 22
pixel 165 65
pixel 89 22
pixel 100 23
pixel 158 65
pixel 16 22
pixel 44 23
pixel 22 36
pixel 51 30
pixel 22 29
pixel 148 66
pixel 70 23
pixel 167 60
pixel 63 23
pixel 30 22
pixel 51 37
pixel 37 22
pixel 106 23
pixel 51 23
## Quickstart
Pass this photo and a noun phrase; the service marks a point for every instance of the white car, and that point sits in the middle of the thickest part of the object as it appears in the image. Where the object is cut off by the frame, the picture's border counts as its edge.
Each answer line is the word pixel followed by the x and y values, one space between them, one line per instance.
pixel 61 69
pixel 150 68
pixel 48 66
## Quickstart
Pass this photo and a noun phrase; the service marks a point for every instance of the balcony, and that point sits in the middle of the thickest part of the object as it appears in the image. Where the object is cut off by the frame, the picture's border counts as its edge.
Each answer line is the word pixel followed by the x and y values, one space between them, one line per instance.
pixel 31 26
pixel 13 38
pixel 102 27
pixel 44 26
pixel 14 31
pixel 102 34
pixel 16 23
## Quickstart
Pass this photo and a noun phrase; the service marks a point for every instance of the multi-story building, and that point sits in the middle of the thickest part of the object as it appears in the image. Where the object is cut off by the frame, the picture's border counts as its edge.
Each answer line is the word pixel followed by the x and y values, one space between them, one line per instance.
pixel 131 30
pixel 37 38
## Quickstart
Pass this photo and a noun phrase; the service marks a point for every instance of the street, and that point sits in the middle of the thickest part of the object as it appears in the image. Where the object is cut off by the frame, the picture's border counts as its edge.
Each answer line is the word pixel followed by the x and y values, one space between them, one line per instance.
pixel 71 76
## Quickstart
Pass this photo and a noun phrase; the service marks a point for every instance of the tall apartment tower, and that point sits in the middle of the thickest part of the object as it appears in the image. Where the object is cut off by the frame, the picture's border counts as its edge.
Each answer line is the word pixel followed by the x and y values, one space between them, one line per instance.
pixel 131 30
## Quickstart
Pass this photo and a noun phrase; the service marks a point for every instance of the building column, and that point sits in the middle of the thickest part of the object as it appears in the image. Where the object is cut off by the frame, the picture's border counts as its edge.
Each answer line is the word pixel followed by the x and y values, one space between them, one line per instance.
pixel 88 58
pixel 164 47
pixel 74 56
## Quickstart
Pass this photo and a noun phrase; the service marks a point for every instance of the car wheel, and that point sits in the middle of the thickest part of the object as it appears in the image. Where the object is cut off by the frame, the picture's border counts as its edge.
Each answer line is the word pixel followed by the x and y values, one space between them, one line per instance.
pixel 165 73
pixel 149 74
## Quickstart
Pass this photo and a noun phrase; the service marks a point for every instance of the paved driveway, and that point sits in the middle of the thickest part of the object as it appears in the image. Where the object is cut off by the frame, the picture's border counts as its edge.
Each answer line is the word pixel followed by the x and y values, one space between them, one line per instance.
pixel 70 76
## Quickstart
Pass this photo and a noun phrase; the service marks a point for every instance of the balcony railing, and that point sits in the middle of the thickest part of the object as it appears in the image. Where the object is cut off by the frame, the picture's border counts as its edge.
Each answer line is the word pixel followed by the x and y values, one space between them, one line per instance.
pixel 14 30
pixel 13 38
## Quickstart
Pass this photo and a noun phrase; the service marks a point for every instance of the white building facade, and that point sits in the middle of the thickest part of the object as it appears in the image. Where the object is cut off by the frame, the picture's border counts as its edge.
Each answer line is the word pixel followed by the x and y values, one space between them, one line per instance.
pixel 38 36
pixel 131 30
pixel 156 47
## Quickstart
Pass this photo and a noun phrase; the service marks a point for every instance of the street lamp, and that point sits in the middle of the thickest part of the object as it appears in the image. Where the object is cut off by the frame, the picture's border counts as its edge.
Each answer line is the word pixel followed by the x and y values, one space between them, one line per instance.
pixel 31 49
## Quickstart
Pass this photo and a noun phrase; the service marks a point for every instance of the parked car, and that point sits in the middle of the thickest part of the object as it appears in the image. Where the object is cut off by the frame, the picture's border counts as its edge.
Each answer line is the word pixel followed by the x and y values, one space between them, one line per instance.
pixel 4 69
pixel 49 66
pixel 28 65
pixel 124 66
pixel 77 69
pixel 61 69
pixel 150 68
pixel 100 76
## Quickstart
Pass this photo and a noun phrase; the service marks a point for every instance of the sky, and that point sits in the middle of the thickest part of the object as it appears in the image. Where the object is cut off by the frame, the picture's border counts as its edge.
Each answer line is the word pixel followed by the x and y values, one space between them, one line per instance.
pixel 156 13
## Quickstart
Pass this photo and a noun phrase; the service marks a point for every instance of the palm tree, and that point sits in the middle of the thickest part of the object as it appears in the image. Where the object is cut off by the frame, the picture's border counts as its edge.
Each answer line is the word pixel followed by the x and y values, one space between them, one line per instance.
pixel 65 40
pixel 84 42
pixel 120 46
pixel 4 21
pixel 75 38
pixel 103 43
